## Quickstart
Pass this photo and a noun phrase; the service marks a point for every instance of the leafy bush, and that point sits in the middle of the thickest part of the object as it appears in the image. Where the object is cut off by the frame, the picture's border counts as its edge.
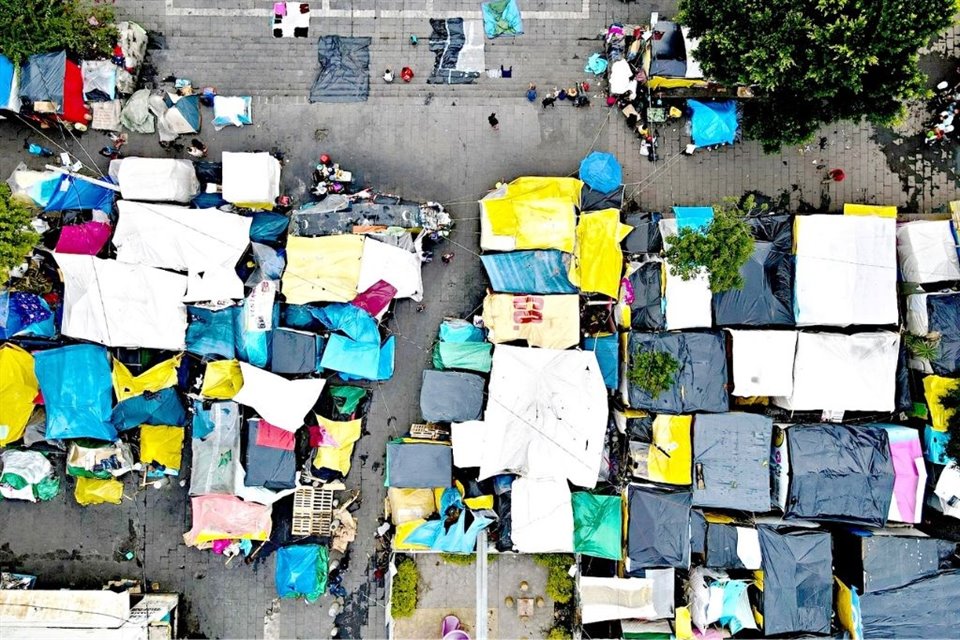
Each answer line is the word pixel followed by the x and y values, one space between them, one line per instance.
pixel 559 582
pixel 722 247
pixel 461 559
pixel 405 589
pixel 38 26
pixel 653 371
pixel 17 237
pixel 559 633
pixel 926 347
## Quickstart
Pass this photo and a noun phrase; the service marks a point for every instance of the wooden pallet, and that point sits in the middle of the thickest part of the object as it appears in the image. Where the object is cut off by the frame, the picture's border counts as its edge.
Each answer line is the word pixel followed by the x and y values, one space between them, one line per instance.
pixel 312 511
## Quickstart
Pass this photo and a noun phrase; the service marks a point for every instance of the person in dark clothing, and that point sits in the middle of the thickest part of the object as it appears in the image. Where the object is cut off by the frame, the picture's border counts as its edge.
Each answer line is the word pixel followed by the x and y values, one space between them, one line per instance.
pixel 492 119
pixel 549 101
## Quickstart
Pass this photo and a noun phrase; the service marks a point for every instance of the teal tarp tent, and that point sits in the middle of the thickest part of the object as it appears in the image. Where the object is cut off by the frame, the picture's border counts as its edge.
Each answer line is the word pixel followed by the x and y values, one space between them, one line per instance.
pixel 301 572
pixel 502 18
pixel 597 525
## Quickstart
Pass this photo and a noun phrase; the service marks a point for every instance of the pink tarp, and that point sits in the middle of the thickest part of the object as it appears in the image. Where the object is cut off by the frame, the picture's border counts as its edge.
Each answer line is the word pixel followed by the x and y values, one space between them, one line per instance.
pixel 909 474
pixel 85 239
pixel 376 298
pixel 275 437
pixel 217 517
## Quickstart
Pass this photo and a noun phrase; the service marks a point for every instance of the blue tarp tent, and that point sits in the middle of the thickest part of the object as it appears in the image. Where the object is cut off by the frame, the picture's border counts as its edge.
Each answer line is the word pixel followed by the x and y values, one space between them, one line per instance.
pixel 43 76
pixel 72 193
pixel 456 538
pixel 8 85
pixel 184 113
pixel 601 172
pixel 713 122
pixel 693 217
pixel 77 389
pixel 457 330
pixel 501 18
pixel 212 333
pixel 301 572
pixel 606 349
pixel 540 272
pixel 25 314
pixel 161 408
pixel 358 354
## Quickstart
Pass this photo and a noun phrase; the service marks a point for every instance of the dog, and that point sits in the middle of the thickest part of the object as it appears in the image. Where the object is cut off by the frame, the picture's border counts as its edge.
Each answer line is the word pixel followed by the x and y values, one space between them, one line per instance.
pixel 549 101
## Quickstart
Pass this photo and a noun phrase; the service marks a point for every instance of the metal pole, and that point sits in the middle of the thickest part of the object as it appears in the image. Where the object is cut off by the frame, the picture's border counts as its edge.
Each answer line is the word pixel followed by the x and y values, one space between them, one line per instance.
pixel 480 633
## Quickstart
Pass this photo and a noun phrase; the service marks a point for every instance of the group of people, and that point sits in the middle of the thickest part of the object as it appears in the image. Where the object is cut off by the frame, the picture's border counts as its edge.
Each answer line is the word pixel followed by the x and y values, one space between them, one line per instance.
pixel 406 74
pixel 577 95
pixel 947 105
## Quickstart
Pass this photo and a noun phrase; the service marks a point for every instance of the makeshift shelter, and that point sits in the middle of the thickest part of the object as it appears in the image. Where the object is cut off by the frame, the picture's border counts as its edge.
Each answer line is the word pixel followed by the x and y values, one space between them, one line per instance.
pixel 294 352
pixel 607 350
pixel 687 303
pixel 939 314
pixel 336 447
pixel 763 362
pixel 597 264
pixel 542 272
pixel 344 74
pixel 324 269
pixel 551 322
pixel 713 123
pixel 601 172
pixel 99 80
pixel 302 571
pixel 844 372
pixel 222 380
pixel 161 446
pixel 216 448
pixel 27 475
pixel 391 264
pixel 451 396
pixel 925 608
pixel 474 356
pixel 645 283
pixel 440 535
pixel 133 42
pixel 176 115
pixel 25 314
pixel 882 559
pixel 714 597
pixel 658 529
pixel 797 593
pixel 284 403
pixel 836 472
pixel 54 85
pixel 647 598
pixel 9 85
pixel 530 213
pixel 731 461
pixel 231 110
pixel 154 408
pixel 846 270
pixel 122 305
pixel 71 193
pixel 731 547
pixel 501 18
pixel 217 517
pixel 541 516
pixel 76 386
pixel 359 353
pixel 268 465
pixel 597 525
pixel 700 382
pixel 669 53
pixel 155 179
pixel 664 456
pixel 457 45
pixel 928 251
pixel 251 179
pixel 910 474
pixel 592 200
pixel 86 238
pixel 419 465
pixel 18 388
pixel 546 415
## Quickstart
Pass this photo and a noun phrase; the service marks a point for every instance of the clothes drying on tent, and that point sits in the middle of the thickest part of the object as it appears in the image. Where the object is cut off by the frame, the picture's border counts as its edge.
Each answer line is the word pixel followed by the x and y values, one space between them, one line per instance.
pixel 713 123
pixel 344 74
pixel 458 47
pixel 501 18
pixel 701 380
pixel 797 594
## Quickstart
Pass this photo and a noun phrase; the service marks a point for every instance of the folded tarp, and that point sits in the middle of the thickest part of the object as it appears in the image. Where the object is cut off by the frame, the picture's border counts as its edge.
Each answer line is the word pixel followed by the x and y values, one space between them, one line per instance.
pixel 731 461
pixel 597 263
pixel 251 179
pixel 155 179
pixel 551 322
pixel 542 516
pixel 451 396
pixel 25 314
pixel 938 313
pixel 419 466
pixel 217 517
pixel 281 402
pixel 216 448
pixel 607 350
pixel 647 598
pixel 844 372
pixel 76 386
pixel 928 251
pixel 597 525
pixel 18 388
pixel 301 572
pixel 846 270
pixel 344 74
pixel 645 283
pixel 701 380
pixel 324 269
pixel 501 18
pixel 530 213
pixel 122 305
pixel 926 608
pixel 268 467
pixel 713 123
pixel 447 42
pixel 797 592
pixel 546 415
pixel 73 193
pixel 763 362
pixel 658 529
pixel 541 272
pixel 474 356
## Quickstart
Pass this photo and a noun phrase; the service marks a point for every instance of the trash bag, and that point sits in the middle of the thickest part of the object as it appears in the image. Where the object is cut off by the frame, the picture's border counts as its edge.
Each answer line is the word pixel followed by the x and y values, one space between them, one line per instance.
pixel 27 475
pixel 96 491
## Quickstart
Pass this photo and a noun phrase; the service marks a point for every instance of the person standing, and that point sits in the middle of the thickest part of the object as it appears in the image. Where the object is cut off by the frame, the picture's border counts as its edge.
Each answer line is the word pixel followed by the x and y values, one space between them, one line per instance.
pixel 494 123
pixel 388 76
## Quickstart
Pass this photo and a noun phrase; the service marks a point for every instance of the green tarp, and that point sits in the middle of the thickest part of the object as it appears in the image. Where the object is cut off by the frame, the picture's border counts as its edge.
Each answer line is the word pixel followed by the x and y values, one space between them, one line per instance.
pixel 597 525
pixel 475 356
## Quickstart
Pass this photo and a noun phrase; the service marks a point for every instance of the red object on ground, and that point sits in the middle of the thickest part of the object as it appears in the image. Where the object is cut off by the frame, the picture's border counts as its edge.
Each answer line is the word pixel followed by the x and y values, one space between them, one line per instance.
pixel 837 175
pixel 406 74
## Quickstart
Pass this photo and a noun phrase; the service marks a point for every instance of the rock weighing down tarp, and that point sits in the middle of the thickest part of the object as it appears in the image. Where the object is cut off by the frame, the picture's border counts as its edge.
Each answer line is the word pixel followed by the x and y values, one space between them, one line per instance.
pixel 344 74
pixel 458 47
pixel 731 461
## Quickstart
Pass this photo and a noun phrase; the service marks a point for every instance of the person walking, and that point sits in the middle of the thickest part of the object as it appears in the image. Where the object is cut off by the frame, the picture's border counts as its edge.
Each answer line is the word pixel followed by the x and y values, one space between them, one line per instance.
pixel 494 123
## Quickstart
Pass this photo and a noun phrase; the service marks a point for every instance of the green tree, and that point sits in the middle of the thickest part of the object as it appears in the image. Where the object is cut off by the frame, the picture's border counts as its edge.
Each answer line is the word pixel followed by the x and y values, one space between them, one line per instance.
pixel 17 237
pixel 816 61
pixel 559 582
pixel 404 594
pixel 653 371
pixel 722 247
pixel 38 26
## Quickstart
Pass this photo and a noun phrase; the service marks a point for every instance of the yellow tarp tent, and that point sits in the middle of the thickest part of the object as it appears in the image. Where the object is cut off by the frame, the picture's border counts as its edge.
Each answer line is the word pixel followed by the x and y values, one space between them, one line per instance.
pixel 537 213
pixel 662 82
pixel 162 445
pixel 324 269
pixel 597 264
pixel 337 457
pixel 222 380
pixel 160 376
pixel 551 322
pixel 94 491
pixel 934 388
pixel 410 504
pixel 671 455
pixel 869 210
pixel 18 388
pixel 403 532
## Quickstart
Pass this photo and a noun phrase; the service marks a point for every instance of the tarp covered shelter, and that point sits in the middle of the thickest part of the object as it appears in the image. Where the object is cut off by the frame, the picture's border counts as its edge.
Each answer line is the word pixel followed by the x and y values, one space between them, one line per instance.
pixel 797 594
pixel 700 380
pixel 73 194
pixel 268 466
pixel 391 264
pixel 122 305
pixel 597 263
pixel 344 74
pixel 457 45
pixel 474 356
pixel 658 528
pixel 216 448
pixel 607 350
pixel 597 525
pixel 18 388
pixel 419 466
pixel 601 172
pixel 324 269
pixel 542 271
pixel 910 474
pixel 763 362
pixel 217 517
pixel 938 313
pixel 844 372
pixel 731 547
pixel 645 237
pixel 76 386
pixel 52 78
pixel 714 597
pixel 926 608
pixel 530 213
pixel 284 403
pixel 301 571
pixel 663 455
pixel 176 115
pixel 546 415
pixel 731 460
pixel 548 321
pixel 646 310
pixel 687 303
pixel 881 559
pixel 647 598
pixel 541 515
pixel 251 179
pixel 501 18
pixel 713 123
pixel 846 270
pixel 155 179
pixel 451 396
pixel 9 85
pixel 928 251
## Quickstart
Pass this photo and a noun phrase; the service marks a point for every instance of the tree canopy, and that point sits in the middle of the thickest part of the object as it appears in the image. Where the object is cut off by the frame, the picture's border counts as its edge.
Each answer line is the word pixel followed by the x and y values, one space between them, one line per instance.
pixel 17 237
pixel 38 26
pixel 816 61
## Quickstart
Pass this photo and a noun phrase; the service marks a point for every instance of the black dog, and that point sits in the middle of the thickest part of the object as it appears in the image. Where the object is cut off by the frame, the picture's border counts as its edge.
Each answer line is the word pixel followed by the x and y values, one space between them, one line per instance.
pixel 548 101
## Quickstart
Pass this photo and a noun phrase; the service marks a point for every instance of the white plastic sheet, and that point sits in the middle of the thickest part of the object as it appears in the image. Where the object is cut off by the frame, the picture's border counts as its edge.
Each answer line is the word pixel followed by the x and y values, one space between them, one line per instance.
pixel 467 440
pixel 928 251
pixel 250 178
pixel 156 179
pixel 281 402
pixel 542 516
pixel 763 362
pixel 947 491
pixel 396 266
pixel 689 303
pixel 122 305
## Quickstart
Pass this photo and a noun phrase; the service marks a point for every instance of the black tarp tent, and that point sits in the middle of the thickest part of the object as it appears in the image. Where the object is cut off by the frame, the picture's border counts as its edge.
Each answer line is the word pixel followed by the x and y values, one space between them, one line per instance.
pixel 721 547
pixel 344 74
pixel 701 381
pixel 876 561
pixel 797 594
pixel 419 466
pixel 293 351
pixel 925 608
pixel 668 54
pixel 658 529
pixel 645 237
pixel 839 472
pixel 943 318
pixel 592 200
pixel 646 310
pixel 731 461
pixel 451 396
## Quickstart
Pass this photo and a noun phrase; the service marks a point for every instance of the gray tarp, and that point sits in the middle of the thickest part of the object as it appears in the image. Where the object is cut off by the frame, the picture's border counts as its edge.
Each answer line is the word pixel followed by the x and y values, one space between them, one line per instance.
pixel 722 547
pixel 797 581
pixel 943 317
pixel 658 534
pixel 293 351
pixel 839 472
pixel 591 200
pixel 344 74
pixel 701 382
pixel 336 214
pixel 731 461
pixel 879 562
pixel 926 608
pixel 446 42
pixel 268 467
pixel 646 310
pixel 451 396
pixel 42 78
pixel 419 466
pixel 216 455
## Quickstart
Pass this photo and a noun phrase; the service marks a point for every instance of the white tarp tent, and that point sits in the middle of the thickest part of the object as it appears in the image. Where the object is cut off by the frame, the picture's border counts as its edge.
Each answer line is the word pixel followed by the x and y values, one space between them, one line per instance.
pixel 546 415
pixel 846 270
pixel 281 402
pixel 541 516
pixel 251 178
pixel 155 179
pixel 397 266
pixel 467 441
pixel 763 362
pixel 844 372
pixel 689 303
pixel 122 305
pixel 928 251
pixel 648 598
